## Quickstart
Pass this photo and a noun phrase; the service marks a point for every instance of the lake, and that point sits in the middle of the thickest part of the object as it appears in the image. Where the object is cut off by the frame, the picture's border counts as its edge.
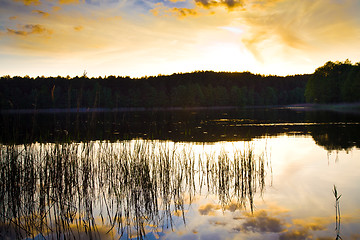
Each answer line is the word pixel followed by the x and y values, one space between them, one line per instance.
pixel 185 174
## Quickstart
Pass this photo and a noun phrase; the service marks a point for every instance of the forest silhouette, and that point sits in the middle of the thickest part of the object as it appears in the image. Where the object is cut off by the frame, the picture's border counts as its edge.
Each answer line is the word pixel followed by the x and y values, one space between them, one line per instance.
pixel 334 82
pixel 331 83
pixel 197 89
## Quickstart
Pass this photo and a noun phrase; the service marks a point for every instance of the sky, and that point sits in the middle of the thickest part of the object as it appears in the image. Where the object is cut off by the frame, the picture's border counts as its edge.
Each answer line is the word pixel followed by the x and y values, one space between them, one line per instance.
pixel 139 38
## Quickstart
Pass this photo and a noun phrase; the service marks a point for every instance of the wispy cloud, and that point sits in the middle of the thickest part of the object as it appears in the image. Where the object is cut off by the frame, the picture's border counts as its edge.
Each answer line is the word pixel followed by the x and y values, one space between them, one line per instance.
pixel 215 3
pixel 209 209
pixel 284 28
pixel 29 2
pixel 71 1
pixel 304 25
pixel 232 4
pixel 183 12
pixel 78 28
pixel 30 29
pixel 42 13
pixel 161 10
pixel 261 222
pixel 304 228
pixel 262 36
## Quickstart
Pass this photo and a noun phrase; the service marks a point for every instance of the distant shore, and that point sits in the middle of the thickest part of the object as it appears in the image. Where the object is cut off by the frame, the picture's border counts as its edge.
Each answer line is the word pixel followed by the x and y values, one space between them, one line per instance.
pixel 105 110
pixel 339 107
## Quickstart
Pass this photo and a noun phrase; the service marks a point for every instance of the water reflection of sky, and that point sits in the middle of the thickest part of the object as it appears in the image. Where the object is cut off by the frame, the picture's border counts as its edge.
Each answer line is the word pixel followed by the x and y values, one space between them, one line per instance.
pixel 298 202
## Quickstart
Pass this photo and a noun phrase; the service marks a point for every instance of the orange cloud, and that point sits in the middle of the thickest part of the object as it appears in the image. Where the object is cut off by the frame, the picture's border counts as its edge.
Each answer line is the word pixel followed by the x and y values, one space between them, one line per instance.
pixel 29 2
pixel 78 28
pixel 42 13
pixel 233 206
pixel 159 7
pixel 29 29
pixel 314 224
pixel 161 10
pixel 209 209
pixel 183 12
pixel 303 228
pixel 301 26
pixel 12 17
pixel 261 222
pixel 216 3
pixel 70 1
pixel 232 4
pixel 17 32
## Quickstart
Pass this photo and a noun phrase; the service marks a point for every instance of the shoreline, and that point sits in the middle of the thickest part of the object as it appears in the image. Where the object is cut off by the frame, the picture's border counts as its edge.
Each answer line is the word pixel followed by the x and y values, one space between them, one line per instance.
pixel 338 107
pixel 107 110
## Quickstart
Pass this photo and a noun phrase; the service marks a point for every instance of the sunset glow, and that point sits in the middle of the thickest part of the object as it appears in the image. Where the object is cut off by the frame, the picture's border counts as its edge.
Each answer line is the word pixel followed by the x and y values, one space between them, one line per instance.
pixel 150 37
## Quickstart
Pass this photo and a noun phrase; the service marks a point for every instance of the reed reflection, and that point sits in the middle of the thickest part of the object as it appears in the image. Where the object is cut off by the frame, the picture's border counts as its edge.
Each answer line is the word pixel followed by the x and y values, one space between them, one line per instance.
pixel 126 189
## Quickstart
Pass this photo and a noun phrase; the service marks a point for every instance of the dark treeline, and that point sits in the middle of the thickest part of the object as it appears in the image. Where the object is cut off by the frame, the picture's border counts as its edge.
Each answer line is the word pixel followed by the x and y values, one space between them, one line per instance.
pixel 334 82
pixel 197 89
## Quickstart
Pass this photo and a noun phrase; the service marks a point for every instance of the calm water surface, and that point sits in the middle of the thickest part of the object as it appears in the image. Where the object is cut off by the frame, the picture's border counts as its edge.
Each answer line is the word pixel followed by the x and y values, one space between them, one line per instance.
pixel 276 182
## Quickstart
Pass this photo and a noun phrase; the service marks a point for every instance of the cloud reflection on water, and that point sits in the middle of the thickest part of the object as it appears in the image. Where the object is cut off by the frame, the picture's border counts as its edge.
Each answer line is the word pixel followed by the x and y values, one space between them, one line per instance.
pixel 167 190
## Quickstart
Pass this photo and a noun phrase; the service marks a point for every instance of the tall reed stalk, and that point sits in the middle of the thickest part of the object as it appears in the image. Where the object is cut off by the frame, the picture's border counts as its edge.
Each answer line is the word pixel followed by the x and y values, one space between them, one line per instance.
pixel 337 211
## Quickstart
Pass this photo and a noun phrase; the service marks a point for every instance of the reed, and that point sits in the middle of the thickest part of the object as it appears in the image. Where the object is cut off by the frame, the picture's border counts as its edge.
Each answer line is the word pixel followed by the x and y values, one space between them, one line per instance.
pixel 130 187
pixel 337 213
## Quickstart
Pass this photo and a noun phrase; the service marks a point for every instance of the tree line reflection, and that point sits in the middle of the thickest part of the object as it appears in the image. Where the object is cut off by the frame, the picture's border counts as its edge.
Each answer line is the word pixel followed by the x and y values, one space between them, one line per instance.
pixel 331 130
pixel 125 189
